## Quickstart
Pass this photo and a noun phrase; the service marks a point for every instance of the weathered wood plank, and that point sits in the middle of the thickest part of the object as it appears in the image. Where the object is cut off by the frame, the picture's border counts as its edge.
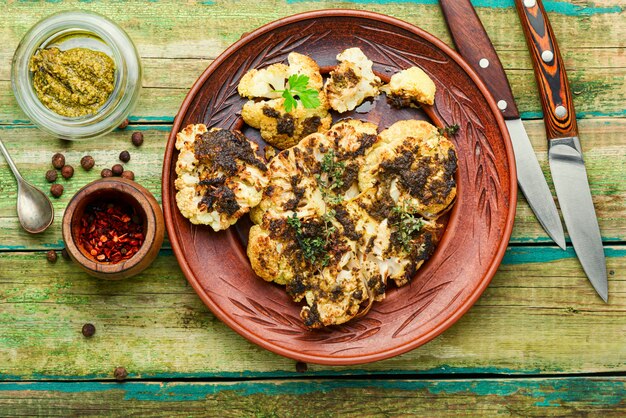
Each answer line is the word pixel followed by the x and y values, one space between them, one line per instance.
pixel 596 60
pixel 372 398
pixel 603 141
pixel 539 315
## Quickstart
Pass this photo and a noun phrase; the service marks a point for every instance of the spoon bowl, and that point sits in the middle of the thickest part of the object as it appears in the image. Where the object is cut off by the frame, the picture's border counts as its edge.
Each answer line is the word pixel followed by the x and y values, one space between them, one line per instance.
pixel 34 209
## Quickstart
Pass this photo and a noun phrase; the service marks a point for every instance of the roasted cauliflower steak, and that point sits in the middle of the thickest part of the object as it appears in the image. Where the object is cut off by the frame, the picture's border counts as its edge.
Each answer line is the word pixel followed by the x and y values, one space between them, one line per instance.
pixel 219 176
pixel 415 165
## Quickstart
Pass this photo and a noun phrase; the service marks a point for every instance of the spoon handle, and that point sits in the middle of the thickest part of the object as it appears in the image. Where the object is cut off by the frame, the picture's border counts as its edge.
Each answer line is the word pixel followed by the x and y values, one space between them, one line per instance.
pixel 12 166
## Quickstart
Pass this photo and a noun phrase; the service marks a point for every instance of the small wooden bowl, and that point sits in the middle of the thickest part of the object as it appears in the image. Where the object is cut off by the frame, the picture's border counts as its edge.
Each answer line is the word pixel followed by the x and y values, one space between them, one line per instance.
pixel 127 192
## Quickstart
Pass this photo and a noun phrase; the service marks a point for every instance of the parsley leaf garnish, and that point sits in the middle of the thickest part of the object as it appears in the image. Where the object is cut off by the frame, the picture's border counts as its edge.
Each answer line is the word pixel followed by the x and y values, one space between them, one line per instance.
pixel 298 89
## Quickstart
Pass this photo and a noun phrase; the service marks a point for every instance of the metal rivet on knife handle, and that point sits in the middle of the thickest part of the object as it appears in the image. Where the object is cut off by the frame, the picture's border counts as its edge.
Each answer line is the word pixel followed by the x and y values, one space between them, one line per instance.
pixel 502 105
pixel 547 56
pixel 560 111
pixel 484 63
pixel 530 3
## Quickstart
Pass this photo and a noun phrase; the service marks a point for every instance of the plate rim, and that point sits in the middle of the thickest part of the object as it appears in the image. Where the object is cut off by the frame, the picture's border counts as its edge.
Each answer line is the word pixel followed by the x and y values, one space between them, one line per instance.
pixel 169 205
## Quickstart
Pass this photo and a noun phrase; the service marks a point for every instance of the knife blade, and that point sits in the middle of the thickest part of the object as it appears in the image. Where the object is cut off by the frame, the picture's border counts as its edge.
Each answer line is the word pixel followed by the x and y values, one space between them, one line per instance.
pixel 474 45
pixel 564 153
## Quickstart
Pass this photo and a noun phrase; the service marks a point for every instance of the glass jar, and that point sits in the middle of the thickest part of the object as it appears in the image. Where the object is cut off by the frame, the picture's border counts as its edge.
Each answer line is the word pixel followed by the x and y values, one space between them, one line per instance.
pixel 75 29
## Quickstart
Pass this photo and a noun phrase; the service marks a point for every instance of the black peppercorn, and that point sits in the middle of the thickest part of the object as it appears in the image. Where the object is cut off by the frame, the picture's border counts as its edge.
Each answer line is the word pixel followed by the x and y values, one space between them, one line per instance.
pixel 65 254
pixel 137 139
pixel 51 176
pixel 88 330
pixel 58 161
pixel 127 174
pixel 51 256
pixel 67 172
pixel 106 173
pixel 120 373
pixel 125 156
pixel 56 190
pixel 301 367
pixel 87 162
pixel 117 170
pixel 124 124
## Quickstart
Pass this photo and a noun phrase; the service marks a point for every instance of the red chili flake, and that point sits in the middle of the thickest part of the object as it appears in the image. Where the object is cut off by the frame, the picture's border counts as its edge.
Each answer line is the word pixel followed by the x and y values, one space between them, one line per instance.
pixel 111 232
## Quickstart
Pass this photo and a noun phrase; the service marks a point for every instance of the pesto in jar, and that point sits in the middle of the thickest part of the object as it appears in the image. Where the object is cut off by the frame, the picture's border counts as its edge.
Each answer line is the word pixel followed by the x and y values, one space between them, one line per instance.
pixel 75 82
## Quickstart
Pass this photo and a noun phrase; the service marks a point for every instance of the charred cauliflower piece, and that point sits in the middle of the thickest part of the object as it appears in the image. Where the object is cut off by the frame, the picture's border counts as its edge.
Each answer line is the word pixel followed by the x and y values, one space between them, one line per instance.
pixel 410 87
pixel 352 81
pixel 284 129
pixel 415 165
pixel 298 240
pixel 220 177
pixel 278 127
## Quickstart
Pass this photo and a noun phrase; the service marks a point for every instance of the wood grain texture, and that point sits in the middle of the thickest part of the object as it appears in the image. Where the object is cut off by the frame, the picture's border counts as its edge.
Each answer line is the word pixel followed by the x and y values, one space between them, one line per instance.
pixel 273 398
pixel 539 315
pixel 551 76
pixel 605 157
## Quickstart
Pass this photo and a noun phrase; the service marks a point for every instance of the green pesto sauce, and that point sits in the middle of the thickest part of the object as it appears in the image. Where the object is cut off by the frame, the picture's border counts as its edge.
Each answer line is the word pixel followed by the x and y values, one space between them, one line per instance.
pixel 73 83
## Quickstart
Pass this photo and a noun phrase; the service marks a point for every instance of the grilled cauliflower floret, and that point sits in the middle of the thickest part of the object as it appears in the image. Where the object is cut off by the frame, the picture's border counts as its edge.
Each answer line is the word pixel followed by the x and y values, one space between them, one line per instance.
pixel 352 81
pixel 219 174
pixel 410 87
pixel 278 127
pixel 285 129
pixel 263 82
pixel 415 164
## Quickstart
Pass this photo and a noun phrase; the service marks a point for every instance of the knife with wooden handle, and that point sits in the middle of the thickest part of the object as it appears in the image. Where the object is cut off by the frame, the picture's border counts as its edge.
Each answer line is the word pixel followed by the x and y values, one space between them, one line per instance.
pixel 564 152
pixel 474 45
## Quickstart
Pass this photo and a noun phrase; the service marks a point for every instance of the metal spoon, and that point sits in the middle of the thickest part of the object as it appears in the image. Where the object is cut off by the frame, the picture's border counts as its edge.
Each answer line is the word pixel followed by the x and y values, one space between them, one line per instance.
pixel 34 209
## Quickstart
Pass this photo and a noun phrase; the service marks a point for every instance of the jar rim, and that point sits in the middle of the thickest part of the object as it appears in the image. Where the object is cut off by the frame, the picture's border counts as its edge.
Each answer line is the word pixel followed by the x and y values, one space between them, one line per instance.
pixel 128 73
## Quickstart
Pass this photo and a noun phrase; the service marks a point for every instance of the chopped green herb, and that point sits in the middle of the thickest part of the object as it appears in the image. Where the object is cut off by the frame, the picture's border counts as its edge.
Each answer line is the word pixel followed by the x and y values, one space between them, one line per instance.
pixel 450 130
pixel 406 225
pixel 313 248
pixel 298 89
pixel 334 173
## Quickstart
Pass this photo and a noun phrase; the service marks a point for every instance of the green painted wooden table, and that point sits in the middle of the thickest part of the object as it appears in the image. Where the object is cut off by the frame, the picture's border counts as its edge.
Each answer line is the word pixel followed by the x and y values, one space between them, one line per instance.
pixel 538 342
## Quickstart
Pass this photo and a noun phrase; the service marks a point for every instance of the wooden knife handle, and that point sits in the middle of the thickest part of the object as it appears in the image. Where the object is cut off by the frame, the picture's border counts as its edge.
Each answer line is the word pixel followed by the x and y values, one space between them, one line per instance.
pixel 474 45
pixel 554 91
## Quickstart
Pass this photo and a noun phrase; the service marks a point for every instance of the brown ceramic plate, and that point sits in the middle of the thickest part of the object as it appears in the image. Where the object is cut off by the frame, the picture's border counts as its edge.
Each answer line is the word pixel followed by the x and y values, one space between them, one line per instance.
pixel 479 226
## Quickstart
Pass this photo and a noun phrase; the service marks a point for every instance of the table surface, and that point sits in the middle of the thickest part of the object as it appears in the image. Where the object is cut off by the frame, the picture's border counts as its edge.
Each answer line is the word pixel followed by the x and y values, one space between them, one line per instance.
pixel 538 342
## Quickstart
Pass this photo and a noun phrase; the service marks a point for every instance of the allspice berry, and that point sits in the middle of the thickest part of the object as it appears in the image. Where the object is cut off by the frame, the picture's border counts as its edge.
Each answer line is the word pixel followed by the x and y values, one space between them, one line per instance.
pixel 58 161
pixel 127 174
pixel 51 176
pixel 51 256
pixel 87 162
pixel 137 138
pixel 117 169
pixel 65 254
pixel 120 373
pixel 124 124
pixel 56 190
pixel 106 173
pixel 67 172
pixel 88 330
pixel 125 156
